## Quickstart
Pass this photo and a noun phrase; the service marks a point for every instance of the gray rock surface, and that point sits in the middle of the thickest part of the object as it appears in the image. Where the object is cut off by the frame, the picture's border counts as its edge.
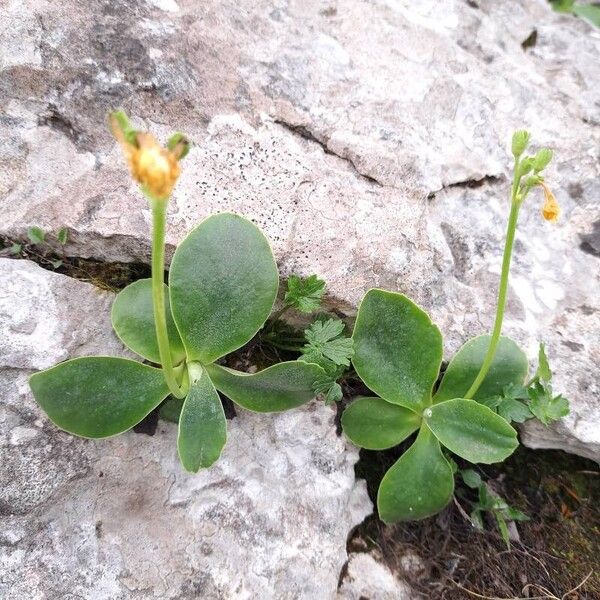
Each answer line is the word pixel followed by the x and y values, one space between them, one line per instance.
pixel 368 577
pixel 119 519
pixel 368 139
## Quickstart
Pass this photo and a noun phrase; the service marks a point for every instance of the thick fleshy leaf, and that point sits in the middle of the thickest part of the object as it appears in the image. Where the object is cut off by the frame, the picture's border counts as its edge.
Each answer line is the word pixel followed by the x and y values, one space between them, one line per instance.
pixel 280 387
pixel 509 366
pixel 419 484
pixel 98 396
pixel 472 430
pixel 223 283
pixel 202 425
pixel 133 321
pixel 376 424
pixel 397 349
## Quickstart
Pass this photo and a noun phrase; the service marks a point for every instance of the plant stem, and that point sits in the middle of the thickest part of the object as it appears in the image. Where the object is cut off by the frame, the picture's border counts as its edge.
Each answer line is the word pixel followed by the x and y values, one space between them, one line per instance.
pixel 503 289
pixel 159 218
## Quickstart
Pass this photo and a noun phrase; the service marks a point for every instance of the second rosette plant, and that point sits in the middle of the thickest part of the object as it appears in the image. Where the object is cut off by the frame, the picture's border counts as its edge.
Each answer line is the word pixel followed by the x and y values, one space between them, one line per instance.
pixel 222 285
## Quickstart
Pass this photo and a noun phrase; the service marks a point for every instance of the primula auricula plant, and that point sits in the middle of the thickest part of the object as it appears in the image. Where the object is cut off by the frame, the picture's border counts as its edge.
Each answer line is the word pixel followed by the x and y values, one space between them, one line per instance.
pixel 223 282
pixel 398 355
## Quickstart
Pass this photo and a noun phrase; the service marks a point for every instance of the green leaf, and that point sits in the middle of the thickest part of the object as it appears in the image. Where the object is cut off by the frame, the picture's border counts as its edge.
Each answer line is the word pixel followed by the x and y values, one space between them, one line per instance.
pixel 375 424
pixel 543 371
pixel 98 396
pixel 304 295
pixel 545 406
pixel 562 5
pixel 471 478
pixel 515 514
pixel 333 394
pixel 397 349
pixel 324 342
pixel 471 430
pixel 170 409
pixel 503 528
pixel 514 410
pixel 588 12
pixel 509 366
pixel 56 263
pixel 327 385
pixel 36 235
pixel 16 248
pixel 62 236
pixel 202 425
pixel 477 519
pixel 223 283
pixel 133 321
pixel 280 387
pixel 419 484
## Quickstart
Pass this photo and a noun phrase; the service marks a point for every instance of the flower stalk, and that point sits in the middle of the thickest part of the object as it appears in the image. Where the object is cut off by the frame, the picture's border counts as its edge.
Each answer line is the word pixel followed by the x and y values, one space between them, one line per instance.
pixel 159 218
pixel 156 169
pixel 550 212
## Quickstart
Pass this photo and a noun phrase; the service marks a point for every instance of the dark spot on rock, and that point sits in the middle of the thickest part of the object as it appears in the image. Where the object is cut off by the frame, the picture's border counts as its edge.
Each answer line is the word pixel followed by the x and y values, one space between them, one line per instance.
pixel 148 425
pixel 530 41
pixel 101 474
pixel 54 119
pixel 330 11
pixel 590 242
pixel 587 310
pixel 459 250
pixel 472 4
pixel 575 190
pixel 98 529
pixel 575 346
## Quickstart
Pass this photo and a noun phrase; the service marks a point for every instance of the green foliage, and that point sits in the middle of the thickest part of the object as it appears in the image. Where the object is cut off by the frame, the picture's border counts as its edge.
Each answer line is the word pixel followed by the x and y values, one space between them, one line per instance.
pixel 304 295
pixel 471 430
pixel 62 236
pixel 36 235
pixel 327 344
pixel 133 321
pixel 489 502
pixel 202 425
pixel 419 484
pixel 398 353
pixel 589 12
pixel 222 285
pixel 375 424
pixel 280 387
pixel 328 347
pixel 397 349
pixel 98 396
pixel 16 249
pixel 509 366
pixel 519 403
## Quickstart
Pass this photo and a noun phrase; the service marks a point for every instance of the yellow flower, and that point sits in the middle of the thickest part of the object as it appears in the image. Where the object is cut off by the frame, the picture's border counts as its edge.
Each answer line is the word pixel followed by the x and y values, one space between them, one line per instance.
pixel 551 209
pixel 154 167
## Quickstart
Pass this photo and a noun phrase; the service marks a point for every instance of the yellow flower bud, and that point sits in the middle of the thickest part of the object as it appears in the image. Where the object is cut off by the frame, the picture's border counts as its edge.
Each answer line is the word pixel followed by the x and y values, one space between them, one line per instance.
pixel 154 167
pixel 551 209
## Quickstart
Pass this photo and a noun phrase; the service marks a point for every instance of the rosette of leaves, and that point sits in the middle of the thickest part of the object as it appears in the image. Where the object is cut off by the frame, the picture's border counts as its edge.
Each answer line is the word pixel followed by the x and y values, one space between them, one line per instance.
pixel 398 354
pixel 222 285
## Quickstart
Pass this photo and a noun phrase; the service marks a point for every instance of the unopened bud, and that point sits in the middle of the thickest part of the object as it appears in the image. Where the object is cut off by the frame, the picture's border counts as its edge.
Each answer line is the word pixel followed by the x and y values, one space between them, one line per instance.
pixel 542 159
pixel 520 141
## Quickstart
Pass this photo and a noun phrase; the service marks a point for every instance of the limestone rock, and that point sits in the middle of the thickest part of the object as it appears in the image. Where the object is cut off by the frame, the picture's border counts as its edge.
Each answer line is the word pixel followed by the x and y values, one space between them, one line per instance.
pixel 368 139
pixel 119 519
pixel 367 577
